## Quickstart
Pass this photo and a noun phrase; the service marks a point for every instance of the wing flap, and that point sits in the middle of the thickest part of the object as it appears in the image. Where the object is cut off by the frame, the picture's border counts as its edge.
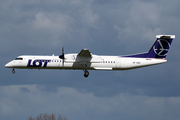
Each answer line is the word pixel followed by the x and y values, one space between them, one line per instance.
pixel 102 68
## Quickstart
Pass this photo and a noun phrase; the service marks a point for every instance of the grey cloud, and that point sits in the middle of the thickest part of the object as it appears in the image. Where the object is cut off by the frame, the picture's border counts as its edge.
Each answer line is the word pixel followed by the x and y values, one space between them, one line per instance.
pixel 35 26
pixel 72 103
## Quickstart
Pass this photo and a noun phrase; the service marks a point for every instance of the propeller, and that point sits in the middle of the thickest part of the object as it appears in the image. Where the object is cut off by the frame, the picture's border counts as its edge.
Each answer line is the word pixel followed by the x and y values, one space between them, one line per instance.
pixel 62 56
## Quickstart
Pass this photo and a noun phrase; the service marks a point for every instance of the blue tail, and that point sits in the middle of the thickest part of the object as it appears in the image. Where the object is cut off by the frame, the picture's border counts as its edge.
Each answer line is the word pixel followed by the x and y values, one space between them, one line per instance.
pixel 159 49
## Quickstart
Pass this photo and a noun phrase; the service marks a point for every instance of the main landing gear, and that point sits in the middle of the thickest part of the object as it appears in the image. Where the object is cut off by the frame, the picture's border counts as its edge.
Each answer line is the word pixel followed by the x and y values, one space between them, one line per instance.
pixel 86 73
pixel 13 71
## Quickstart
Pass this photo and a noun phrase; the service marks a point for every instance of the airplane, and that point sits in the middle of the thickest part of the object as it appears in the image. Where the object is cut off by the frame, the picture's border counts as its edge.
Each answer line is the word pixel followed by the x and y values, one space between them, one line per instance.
pixel 85 60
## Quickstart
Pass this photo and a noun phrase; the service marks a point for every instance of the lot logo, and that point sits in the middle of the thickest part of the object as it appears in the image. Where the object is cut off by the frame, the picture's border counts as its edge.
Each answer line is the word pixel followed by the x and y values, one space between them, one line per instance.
pixel 38 63
pixel 161 48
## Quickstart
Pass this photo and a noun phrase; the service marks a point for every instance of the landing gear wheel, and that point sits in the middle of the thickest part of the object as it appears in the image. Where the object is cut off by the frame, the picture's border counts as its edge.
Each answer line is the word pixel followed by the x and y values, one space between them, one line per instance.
pixel 13 71
pixel 86 73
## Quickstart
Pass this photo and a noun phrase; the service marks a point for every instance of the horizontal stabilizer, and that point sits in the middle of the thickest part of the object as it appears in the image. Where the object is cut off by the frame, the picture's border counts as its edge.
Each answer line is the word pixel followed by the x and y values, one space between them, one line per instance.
pixel 166 36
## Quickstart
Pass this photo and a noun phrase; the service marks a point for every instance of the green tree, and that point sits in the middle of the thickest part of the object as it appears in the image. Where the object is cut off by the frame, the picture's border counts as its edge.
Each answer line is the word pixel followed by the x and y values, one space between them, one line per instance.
pixel 46 116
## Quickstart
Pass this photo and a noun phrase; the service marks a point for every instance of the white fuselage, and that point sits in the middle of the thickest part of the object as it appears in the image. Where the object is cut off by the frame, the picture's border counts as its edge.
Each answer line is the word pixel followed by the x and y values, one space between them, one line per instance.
pixel 72 61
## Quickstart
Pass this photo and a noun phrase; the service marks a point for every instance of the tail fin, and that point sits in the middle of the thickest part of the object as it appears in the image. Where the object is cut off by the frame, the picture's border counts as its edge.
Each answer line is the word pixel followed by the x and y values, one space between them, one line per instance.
pixel 159 49
pixel 161 46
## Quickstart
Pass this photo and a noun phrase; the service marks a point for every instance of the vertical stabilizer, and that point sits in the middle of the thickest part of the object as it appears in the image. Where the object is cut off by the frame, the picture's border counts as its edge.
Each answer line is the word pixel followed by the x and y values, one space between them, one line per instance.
pixel 161 46
pixel 159 49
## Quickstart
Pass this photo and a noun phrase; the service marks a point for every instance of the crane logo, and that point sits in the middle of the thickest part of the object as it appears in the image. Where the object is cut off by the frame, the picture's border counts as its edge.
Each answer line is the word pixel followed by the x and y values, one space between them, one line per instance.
pixel 162 47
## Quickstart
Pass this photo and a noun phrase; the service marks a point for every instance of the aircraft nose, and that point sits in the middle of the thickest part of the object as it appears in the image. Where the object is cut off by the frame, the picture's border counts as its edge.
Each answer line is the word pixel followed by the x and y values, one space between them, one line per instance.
pixel 9 65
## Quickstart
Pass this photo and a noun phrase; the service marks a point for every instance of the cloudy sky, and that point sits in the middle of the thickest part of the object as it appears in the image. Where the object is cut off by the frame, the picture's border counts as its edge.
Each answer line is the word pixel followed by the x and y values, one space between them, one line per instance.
pixel 105 27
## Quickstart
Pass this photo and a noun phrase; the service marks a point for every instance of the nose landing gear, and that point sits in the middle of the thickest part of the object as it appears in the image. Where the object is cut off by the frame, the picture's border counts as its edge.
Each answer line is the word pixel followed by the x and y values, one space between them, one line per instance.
pixel 13 71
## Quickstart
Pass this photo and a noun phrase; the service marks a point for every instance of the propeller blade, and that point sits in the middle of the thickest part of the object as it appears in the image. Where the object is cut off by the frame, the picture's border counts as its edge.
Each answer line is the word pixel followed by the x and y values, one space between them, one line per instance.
pixel 62 56
pixel 62 50
pixel 63 62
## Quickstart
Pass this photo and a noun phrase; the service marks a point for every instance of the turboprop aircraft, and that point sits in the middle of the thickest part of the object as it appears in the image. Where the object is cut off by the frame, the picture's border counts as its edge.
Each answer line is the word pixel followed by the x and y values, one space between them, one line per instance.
pixel 85 60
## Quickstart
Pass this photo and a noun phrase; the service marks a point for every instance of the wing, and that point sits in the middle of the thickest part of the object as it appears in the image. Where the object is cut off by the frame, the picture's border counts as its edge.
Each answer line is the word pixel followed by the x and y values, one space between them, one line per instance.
pixel 85 53
pixel 87 57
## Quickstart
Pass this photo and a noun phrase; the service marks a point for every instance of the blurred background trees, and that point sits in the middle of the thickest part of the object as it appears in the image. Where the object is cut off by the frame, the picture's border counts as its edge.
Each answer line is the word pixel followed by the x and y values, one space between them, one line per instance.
pixel 46 116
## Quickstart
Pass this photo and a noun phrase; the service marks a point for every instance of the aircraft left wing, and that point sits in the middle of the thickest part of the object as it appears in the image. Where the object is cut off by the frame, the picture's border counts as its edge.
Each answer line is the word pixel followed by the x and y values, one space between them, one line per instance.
pixel 85 53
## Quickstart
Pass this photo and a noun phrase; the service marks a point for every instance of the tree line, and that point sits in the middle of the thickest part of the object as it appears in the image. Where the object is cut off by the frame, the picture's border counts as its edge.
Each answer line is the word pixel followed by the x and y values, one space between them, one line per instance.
pixel 46 116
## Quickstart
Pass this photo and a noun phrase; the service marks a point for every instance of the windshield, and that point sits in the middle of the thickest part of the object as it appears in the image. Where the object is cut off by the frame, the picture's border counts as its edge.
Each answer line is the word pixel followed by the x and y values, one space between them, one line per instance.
pixel 19 59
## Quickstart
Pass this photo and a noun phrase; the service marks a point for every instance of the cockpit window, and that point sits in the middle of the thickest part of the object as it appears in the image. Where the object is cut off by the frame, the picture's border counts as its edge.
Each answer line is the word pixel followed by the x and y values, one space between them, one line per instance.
pixel 19 59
